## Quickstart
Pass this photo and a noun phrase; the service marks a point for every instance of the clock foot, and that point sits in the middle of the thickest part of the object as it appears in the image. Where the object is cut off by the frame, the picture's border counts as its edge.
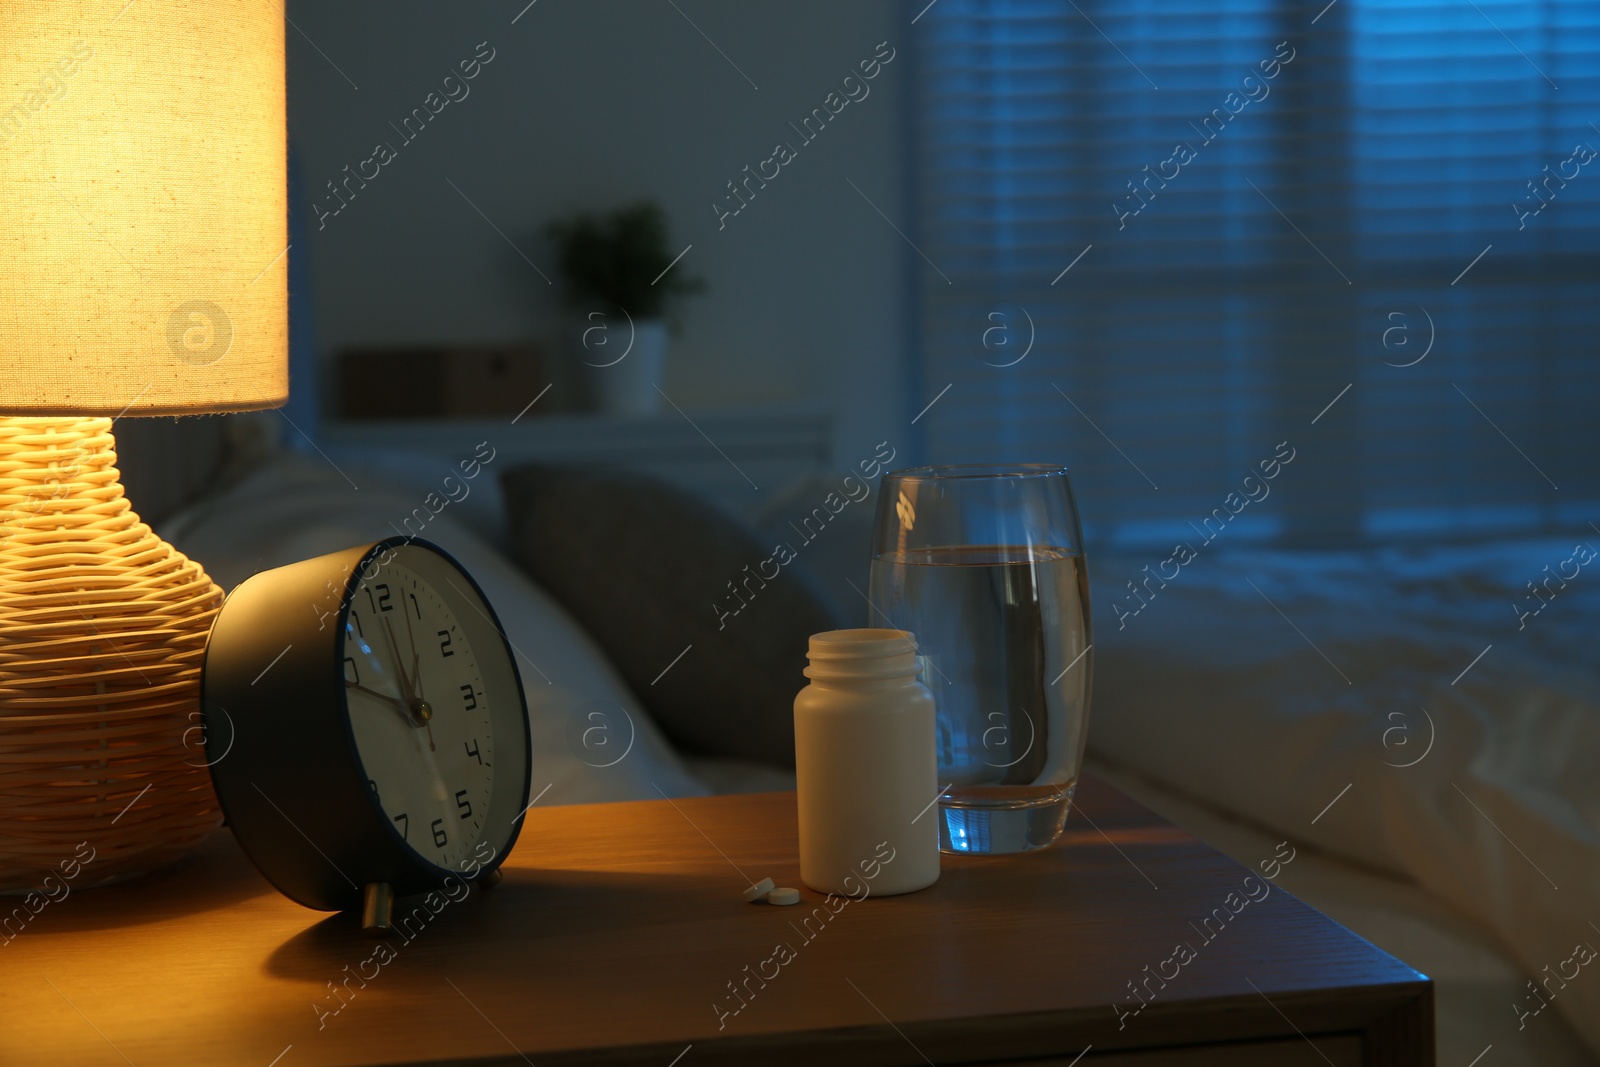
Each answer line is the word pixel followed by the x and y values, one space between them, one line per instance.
pixel 377 909
pixel 490 879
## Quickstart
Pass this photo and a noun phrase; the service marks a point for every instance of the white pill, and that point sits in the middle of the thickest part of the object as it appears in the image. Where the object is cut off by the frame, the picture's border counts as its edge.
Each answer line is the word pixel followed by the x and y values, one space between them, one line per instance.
pixel 784 895
pixel 758 891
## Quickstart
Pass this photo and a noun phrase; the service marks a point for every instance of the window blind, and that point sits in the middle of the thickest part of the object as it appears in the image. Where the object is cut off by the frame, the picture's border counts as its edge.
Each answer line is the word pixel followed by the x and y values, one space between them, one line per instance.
pixel 1224 226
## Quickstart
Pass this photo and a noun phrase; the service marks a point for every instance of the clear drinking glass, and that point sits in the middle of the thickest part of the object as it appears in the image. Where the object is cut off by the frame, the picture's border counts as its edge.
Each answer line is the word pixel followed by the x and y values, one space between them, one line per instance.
pixel 984 564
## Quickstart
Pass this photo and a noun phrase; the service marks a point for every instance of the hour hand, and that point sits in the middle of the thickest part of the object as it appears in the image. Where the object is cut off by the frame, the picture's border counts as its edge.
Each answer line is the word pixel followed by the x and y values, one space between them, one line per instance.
pixel 394 702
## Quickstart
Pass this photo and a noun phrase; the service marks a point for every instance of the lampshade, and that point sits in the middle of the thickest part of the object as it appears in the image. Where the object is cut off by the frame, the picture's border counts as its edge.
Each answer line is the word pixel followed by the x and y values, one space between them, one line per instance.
pixel 143 235
pixel 143 271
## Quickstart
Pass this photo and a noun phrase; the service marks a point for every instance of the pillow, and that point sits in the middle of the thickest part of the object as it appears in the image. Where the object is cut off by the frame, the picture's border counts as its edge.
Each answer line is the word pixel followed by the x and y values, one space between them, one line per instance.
pixel 708 624
pixel 167 464
pixel 835 556
pixel 591 739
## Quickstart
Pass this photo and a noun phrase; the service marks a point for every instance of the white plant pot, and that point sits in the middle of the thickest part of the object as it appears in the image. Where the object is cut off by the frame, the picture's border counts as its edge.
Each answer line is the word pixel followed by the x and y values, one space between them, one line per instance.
pixel 624 374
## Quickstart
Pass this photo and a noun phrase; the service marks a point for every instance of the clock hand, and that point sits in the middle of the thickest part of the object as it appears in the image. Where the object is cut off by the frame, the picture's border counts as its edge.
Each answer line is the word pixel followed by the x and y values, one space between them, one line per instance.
pixel 394 656
pixel 416 658
pixel 438 776
pixel 394 702
pixel 421 708
pixel 424 710
pixel 424 715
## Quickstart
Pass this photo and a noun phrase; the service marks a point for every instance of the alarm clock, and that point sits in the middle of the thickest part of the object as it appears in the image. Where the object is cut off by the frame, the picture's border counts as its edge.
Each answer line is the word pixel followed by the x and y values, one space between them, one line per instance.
pixel 365 727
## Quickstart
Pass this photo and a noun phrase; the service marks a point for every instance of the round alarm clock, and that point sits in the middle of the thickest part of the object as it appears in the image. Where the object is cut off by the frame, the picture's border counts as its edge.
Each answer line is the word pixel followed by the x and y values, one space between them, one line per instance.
pixel 365 727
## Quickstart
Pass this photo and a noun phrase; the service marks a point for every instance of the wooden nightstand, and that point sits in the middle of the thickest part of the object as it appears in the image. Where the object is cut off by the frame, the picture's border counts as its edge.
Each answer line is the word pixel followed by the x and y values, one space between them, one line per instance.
pixel 619 936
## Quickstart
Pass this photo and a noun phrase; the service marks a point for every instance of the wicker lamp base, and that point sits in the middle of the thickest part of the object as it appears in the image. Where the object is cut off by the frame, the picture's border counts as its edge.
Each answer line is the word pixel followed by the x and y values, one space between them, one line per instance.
pixel 102 635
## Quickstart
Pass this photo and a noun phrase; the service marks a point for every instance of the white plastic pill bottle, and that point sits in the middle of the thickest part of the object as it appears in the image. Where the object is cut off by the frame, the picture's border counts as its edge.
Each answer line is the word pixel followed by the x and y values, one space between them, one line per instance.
pixel 866 767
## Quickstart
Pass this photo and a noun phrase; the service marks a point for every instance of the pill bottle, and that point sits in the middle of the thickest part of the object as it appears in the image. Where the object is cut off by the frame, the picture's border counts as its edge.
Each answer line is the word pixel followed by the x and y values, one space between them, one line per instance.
pixel 865 766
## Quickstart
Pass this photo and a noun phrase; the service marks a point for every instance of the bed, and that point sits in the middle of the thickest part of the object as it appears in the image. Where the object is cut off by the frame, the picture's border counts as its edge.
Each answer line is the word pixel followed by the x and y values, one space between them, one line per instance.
pixel 1453 818
pixel 1422 718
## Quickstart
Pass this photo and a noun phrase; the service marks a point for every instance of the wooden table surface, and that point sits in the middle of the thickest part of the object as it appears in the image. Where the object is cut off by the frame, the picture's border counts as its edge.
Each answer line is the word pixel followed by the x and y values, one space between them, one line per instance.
pixel 619 927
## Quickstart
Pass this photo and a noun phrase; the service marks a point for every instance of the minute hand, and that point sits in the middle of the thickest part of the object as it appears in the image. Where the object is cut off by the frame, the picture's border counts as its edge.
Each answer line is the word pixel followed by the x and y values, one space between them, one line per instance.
pixel 420 706
pixel 416 659
pixel 406 683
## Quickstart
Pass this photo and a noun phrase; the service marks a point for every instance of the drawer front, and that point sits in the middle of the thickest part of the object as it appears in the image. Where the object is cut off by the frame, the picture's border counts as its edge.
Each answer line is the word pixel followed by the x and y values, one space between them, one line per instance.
pixel 1342 1050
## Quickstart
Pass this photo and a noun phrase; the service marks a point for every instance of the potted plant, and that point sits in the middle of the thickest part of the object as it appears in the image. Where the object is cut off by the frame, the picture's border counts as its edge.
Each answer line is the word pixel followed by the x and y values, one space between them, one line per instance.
pixel 614 269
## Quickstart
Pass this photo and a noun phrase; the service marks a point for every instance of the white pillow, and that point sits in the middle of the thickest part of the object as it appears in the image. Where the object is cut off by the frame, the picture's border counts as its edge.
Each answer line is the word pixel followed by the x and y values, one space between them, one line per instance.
pixel 298 507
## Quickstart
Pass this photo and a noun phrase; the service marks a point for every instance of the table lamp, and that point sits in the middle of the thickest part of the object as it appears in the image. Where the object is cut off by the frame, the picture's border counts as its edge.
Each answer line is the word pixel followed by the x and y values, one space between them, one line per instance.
pixel 142 272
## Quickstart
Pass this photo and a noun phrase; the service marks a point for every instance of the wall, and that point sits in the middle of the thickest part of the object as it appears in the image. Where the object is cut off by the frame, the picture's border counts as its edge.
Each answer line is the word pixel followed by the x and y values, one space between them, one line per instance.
pixel 590 105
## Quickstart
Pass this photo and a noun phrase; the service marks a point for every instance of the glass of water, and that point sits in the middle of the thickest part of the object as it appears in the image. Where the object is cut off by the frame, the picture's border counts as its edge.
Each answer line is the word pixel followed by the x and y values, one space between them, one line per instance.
pixel 984 564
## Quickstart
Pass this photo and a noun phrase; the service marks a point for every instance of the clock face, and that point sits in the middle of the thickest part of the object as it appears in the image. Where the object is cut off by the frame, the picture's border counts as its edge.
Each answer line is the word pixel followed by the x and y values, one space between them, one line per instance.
pixel 380 738
pixel 420 713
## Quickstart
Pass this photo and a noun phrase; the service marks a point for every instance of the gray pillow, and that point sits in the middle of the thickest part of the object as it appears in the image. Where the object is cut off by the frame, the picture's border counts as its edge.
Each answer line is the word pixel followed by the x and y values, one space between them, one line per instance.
pixel 651 570
pixel 836 557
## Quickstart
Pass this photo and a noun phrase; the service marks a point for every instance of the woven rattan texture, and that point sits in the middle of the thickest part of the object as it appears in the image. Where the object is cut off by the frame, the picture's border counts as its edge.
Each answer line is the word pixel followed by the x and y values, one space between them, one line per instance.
pixel 102 635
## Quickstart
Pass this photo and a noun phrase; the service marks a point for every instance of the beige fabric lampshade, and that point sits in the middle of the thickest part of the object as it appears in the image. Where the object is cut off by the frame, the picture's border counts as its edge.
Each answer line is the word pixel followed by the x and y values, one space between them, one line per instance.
pixel 143 219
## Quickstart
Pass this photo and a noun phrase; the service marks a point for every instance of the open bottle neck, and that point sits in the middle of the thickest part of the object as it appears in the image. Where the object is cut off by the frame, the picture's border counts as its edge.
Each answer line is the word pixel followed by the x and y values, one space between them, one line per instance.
pixel 862 659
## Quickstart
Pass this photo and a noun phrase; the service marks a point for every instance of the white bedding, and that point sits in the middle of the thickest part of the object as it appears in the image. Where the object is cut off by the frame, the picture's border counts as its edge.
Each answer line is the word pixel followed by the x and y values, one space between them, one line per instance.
pixel 1474 977
pixel 1336 701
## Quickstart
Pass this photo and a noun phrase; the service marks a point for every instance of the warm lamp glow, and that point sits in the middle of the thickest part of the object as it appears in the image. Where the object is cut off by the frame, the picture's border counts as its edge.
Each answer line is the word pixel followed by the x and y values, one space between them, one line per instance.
pixel 143 271
pixel 142 166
